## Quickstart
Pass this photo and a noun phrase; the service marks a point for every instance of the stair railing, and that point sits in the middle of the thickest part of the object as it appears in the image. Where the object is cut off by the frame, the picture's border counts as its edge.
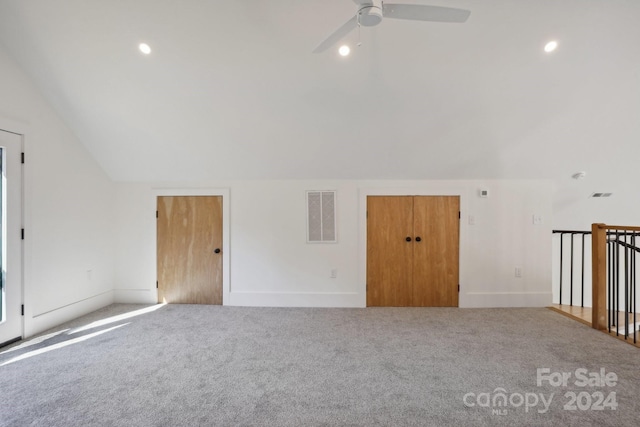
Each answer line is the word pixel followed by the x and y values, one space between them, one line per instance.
pixel 576 242
pixel 614 298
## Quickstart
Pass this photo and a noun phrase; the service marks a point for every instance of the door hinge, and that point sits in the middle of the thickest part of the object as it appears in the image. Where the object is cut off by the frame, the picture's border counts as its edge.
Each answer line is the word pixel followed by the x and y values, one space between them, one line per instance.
pixel 458 288
pixel 459 215
pixel 22 310
pixel 156 284
pixel 22 234
pixel 156 214
pixel 22 158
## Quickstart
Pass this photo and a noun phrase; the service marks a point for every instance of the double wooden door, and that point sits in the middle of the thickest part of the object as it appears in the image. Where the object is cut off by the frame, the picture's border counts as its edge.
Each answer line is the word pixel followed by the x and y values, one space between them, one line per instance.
pixel 413 251
pixel 189 244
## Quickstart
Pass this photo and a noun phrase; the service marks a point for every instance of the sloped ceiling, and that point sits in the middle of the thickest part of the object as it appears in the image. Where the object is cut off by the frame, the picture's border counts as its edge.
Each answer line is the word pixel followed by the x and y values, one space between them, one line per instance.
pixel 232 90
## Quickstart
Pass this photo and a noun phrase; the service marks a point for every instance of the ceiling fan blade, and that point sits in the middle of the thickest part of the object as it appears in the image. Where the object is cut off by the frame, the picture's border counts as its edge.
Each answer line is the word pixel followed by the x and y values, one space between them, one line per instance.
pixel 346 28
pixel 418 12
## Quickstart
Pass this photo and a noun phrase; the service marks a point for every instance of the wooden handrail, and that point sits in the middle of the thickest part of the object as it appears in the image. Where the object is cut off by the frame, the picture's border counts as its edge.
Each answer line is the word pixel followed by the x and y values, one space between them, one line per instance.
pixel 616 227
pixel 599 276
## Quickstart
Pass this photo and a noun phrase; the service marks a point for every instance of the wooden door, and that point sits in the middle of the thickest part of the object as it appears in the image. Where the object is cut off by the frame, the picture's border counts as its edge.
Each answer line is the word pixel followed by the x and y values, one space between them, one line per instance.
pixel 436 251
pixel 389 255
pixel 189 244
pixel 412 251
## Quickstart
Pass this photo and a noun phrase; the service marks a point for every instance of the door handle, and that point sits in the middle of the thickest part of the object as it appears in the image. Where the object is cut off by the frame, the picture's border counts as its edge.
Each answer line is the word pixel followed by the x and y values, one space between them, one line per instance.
pixel 217 250
pixel 418 239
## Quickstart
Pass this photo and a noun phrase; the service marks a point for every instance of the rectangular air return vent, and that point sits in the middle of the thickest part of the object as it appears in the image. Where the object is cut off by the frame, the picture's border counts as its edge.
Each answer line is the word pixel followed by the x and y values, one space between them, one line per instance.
pixel 321 217
pixel 601 195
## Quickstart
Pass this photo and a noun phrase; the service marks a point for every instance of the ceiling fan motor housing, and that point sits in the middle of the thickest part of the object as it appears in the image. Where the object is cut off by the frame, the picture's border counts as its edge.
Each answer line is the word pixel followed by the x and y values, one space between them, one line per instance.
pixel 370 14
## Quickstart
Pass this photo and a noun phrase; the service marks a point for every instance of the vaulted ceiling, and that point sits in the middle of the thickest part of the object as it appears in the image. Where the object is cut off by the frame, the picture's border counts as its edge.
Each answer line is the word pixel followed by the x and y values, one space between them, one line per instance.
pixel 233 90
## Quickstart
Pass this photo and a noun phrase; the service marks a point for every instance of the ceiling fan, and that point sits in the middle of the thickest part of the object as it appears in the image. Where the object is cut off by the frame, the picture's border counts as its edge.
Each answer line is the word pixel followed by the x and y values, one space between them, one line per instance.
pixel 371 12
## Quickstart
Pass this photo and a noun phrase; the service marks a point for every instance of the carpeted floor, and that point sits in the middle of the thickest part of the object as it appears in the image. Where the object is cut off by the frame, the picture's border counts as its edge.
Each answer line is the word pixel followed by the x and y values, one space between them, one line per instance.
pixel 182 365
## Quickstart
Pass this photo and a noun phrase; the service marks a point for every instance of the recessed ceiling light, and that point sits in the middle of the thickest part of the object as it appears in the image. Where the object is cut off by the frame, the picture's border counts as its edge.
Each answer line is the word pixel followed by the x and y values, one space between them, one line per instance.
pixel 551 46
pixel 344 50
pixel 144 48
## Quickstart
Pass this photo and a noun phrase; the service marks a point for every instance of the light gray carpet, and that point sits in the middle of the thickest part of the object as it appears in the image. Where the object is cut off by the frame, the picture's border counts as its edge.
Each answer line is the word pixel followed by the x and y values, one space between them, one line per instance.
pixel 183 365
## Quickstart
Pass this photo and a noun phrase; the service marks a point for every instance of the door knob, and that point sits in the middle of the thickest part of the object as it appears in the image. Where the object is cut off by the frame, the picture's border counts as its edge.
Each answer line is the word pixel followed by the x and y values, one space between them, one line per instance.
pixel 408 239
pixel 217 250
pixel 418 239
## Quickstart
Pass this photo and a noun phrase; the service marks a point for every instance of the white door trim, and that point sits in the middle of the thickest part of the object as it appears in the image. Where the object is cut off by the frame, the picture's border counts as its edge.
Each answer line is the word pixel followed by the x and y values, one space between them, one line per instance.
pixel 15 245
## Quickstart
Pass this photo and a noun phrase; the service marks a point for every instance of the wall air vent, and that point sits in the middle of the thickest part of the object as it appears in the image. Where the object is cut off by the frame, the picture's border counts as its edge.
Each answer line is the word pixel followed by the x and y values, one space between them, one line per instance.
pixel 321 217
pixel 601 195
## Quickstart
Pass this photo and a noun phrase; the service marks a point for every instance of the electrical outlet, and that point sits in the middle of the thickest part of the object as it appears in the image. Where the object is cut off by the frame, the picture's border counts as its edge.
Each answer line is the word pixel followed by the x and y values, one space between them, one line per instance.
pixel 334 273
pixel 537 219
pixel 518 272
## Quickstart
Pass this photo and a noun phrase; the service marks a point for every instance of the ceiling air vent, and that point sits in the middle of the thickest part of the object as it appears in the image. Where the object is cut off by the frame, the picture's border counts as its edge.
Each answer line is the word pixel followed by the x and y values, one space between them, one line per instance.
pixel 601 195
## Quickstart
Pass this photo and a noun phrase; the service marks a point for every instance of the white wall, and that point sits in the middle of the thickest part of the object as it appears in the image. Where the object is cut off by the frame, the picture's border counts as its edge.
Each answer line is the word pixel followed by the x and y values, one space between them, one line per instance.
pixel 270 263
pixel 573 209
pixel 68 210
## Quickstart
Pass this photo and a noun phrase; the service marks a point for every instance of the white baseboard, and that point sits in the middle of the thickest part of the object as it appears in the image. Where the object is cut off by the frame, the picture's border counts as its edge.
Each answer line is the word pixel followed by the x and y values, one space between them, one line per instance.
pixel 505 299
pixel 469 300
pixel 135 296
pixel 42 322
pixel 295 299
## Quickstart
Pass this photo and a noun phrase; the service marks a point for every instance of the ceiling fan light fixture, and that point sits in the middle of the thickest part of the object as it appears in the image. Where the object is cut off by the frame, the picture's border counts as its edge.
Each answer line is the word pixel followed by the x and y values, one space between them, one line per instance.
pixel 344 50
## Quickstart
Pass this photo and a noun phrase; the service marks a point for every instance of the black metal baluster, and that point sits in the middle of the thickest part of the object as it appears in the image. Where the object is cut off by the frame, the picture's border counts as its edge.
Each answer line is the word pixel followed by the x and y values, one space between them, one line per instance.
pixel 561 239
pixel 616 282
pixel 633 281
pixel 571 275
pixel 610 281
pixel 582 275
pixel 626 287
